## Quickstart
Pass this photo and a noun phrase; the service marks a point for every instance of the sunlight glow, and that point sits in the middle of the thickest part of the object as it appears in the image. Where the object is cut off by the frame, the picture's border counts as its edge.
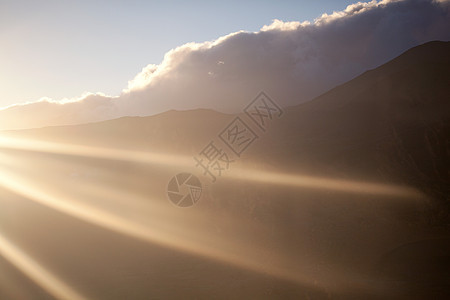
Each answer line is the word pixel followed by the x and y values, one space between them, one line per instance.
pixel 276 178
pixel 36 272
pixel 24 181
pixel 323 183
pixel 239 257
pixel 240 253
pixel 94 152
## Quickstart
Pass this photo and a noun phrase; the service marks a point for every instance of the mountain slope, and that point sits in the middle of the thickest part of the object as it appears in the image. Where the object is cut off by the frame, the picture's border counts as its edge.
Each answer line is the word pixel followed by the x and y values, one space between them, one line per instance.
pixel 393 121
pixel 302 225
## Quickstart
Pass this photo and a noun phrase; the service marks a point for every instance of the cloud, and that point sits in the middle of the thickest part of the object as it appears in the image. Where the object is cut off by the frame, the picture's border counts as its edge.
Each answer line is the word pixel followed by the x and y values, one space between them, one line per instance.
pixel 284 26
pixel 292 61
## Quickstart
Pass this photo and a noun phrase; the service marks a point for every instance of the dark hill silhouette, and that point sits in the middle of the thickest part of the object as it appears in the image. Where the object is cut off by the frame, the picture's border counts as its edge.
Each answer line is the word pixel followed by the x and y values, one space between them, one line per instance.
pixel 392 122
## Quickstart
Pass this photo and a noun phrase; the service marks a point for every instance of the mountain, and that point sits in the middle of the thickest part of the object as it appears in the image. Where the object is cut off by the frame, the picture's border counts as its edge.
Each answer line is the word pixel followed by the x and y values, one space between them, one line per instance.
pixel 392 122
pixel 345 196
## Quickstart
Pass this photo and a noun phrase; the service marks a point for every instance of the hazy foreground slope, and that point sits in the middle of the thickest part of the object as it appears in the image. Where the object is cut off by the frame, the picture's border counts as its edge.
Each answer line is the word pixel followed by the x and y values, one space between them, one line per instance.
pixel 342 197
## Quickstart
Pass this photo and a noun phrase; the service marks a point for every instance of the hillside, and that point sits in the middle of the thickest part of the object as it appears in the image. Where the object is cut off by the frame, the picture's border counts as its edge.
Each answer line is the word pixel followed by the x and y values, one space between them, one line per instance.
pixel 335 199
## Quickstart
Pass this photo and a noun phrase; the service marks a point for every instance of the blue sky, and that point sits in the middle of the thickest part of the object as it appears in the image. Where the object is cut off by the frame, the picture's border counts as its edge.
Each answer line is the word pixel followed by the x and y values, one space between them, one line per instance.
pixel 60 49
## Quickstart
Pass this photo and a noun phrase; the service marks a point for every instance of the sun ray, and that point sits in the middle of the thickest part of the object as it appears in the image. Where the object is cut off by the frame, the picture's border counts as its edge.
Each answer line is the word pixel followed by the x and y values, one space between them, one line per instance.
pixel 48 281
pixel 95 152
pixel 324 183
pixel 239 254
pixel 240 173
pixel 242 255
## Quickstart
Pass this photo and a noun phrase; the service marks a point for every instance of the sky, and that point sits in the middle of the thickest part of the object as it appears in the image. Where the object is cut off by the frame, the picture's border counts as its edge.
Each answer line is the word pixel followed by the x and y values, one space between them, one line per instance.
pixel 61 49
pixel 151 59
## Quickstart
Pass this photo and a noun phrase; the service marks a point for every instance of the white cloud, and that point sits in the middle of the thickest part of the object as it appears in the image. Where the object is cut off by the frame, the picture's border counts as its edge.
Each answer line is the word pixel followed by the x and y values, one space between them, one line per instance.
pixel 292 61
pixel 284 26
pixel 143 78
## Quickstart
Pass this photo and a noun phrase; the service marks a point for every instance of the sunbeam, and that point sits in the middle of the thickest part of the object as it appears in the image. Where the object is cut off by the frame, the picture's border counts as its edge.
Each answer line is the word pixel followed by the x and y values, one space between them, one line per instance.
pixel 324 183
pixel 48 281
pixel 95 152
pixel 238 172
pixel 243 254
pixel 84 203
